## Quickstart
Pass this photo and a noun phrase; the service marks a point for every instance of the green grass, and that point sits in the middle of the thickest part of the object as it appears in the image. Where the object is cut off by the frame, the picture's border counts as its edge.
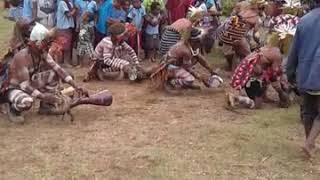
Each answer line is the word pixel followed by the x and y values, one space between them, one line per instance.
pixel 5 32
pixel 263 146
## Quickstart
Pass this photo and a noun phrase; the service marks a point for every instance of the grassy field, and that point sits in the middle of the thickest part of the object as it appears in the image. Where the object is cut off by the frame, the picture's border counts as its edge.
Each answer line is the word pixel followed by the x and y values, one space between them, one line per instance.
pixel 150 136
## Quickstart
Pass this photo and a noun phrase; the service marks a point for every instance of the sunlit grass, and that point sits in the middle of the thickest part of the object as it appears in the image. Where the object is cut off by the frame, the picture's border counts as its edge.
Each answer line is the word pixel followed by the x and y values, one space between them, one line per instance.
pixel 5 32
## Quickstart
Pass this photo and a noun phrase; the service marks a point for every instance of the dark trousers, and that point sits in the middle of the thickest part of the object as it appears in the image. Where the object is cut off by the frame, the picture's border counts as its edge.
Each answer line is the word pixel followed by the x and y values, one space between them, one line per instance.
pixel 98 36
pixel 310 109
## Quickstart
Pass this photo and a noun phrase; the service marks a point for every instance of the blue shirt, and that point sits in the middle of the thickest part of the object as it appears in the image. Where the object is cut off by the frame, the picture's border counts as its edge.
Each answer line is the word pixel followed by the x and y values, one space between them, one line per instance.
pixel 93 9
pixel 63 21
pixel 153 30
pixel 304 57
pixel 115 14
pixel 27 9
pixel 102 16
pixel 82 5
pixel 137 15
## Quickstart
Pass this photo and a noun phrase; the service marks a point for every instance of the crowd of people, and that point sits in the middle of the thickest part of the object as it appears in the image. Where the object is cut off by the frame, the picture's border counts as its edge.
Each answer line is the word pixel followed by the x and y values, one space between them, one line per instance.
pixel 111 37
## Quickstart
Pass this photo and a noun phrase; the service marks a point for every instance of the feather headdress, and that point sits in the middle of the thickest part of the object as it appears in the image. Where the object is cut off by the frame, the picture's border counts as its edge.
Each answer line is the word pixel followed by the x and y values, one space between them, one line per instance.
pixel 285 29
pixel 195 13
pixel 292 3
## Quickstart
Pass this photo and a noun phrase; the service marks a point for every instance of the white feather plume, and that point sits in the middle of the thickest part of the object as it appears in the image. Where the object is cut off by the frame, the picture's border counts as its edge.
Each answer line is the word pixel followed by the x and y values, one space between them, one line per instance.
pixel 292 3
pixel 285 29
pixel 193 11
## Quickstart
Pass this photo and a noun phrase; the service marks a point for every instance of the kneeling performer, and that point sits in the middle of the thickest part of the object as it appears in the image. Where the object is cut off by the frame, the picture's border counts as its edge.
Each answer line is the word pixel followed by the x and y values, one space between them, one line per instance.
pixel 33 74
pixel 255 72
pixel 177 69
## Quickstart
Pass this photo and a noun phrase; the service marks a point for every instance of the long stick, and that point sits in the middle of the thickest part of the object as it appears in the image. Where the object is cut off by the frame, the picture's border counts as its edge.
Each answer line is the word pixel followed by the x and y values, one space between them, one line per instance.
pixel 138 39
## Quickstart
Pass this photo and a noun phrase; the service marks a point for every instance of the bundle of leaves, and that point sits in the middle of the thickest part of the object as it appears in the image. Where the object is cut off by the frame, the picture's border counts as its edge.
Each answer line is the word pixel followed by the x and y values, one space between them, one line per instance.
pixel 227 7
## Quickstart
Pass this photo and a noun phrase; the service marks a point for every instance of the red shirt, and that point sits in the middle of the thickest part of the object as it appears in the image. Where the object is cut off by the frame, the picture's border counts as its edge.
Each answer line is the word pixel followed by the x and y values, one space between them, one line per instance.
pixel 177 9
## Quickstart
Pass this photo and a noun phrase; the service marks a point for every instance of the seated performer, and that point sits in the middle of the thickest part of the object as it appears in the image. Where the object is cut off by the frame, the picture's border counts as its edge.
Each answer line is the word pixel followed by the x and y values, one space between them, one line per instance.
pixel 177 69
pixel 114 57
pixel 33 74
pixel 258 70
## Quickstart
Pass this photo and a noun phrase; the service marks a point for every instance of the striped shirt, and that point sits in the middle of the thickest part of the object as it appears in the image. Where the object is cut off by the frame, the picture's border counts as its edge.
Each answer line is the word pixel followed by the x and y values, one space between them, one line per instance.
pixel 233 29
pixel 115 57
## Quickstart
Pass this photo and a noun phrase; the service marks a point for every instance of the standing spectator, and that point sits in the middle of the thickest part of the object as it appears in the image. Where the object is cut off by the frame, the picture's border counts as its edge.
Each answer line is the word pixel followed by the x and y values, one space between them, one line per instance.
pixel 65 27
pixel 177 9
pixel 6 4
pixel 147 4
pixel 152 34
pixel 201 4
pixel 30 8
pixel 47 12
pixel 126 6
pixel 116 13
pixel 84 46
pixel 92 11
pixel 211 3
pixel 15 9
pixel 136 17
pixel 304 66
pixel 82 6
pixel 101 25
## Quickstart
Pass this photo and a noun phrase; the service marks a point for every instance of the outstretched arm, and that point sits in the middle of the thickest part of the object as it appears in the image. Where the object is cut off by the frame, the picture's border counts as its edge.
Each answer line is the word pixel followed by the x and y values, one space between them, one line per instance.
pixel 132 54
pixel 201 59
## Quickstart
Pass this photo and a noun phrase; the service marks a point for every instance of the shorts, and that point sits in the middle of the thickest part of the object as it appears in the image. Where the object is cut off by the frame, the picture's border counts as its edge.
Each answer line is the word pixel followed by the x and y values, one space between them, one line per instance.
pixel 310 108
pixel 152 42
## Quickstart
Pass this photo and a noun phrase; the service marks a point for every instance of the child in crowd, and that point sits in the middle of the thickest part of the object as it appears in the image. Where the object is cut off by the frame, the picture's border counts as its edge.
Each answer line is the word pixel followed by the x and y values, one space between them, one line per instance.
pixel 82 6
pixel 152 34
pixel 15 9
pixel 65 26
pixel 126 6
pixel 85 39
pixel 136 17
pixel 147 4
pixel 47 12
pixel 116 13
pixel 100 25
pixel 200 4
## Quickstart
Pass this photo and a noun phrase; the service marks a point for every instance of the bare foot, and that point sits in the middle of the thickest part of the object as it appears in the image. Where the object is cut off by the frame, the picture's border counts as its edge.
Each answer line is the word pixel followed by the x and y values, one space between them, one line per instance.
pixel 230 100
pixel 309 150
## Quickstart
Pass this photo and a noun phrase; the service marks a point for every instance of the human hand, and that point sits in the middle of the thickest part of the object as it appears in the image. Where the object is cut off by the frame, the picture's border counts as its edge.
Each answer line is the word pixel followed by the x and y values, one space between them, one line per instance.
pixel 82 91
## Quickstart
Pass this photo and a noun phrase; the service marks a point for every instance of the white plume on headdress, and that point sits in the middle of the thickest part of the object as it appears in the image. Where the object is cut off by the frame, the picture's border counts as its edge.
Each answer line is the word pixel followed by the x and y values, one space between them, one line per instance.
pixel 285 29
pixel 38 33
pixel 292 3
pixel 195 11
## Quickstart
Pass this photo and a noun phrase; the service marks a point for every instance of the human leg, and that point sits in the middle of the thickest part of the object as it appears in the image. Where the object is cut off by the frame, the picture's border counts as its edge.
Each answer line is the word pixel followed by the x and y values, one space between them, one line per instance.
pixel 182 79
pixel 19 102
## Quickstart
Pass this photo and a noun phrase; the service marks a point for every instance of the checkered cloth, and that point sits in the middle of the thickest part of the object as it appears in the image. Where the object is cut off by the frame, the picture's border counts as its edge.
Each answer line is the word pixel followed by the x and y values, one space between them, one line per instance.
pixel 244 71
pixel 284 19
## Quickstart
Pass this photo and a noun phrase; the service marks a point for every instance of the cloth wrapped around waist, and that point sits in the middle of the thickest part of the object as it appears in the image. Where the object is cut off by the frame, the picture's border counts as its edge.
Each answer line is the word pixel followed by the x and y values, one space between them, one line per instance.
pixel 245 71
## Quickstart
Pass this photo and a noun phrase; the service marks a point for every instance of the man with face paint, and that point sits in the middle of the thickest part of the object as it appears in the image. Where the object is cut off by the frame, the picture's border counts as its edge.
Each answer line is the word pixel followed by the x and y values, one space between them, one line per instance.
pixel 114 56
pixel 177 69
pixel 33 74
